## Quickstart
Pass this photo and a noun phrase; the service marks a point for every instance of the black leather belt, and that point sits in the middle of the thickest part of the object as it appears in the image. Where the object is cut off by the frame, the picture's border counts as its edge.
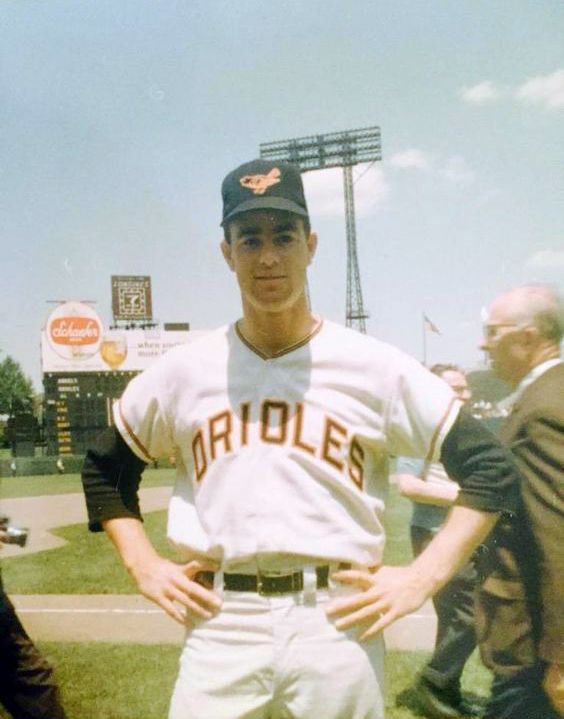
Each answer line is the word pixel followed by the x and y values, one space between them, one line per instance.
pixel 266 584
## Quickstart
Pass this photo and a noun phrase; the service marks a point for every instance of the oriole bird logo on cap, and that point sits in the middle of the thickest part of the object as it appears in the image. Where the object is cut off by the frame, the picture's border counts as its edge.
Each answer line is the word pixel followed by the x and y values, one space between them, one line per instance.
pixel 259 184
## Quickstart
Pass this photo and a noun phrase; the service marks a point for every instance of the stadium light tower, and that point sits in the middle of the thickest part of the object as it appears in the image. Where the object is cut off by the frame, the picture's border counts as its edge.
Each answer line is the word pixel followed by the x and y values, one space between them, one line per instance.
pixel 337 149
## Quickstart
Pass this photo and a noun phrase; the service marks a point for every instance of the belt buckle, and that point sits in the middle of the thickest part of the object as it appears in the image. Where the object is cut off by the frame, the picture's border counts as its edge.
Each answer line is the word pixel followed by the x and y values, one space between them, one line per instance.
pixel 260 585
pixel 264 589
pixel 294 582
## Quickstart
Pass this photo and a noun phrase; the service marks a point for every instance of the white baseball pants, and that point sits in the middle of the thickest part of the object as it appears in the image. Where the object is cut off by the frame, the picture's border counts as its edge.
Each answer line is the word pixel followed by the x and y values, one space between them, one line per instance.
pixel 278 657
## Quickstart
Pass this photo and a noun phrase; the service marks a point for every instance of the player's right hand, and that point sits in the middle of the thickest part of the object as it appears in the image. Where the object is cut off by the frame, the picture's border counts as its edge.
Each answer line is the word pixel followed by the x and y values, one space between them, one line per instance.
pixel 172 587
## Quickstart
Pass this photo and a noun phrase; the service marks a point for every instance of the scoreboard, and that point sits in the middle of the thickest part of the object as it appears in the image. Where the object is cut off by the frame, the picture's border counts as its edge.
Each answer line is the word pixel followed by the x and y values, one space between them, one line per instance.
pixel 86 367
pixel 78 406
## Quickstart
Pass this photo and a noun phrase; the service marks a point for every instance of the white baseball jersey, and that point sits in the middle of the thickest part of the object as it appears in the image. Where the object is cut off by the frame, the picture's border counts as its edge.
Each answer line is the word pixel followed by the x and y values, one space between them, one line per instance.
pixel 285 455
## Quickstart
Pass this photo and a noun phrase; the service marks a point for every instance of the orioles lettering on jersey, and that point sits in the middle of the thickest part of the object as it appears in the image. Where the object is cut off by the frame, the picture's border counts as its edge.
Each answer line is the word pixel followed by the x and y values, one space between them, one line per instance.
pixel 279 423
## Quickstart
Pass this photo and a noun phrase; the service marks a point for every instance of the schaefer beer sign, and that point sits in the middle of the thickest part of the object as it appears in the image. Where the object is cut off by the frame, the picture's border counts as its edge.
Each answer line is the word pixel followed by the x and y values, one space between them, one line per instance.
pixel 74 340
pixel 74 331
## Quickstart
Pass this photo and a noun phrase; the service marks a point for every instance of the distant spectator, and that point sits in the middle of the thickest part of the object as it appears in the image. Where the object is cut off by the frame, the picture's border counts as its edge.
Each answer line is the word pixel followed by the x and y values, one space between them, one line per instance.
pixel 433 492
pixel 60 465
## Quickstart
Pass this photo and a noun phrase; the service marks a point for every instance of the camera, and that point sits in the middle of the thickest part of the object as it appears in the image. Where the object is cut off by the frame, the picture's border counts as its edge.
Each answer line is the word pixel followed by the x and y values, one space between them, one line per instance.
pixel 10 534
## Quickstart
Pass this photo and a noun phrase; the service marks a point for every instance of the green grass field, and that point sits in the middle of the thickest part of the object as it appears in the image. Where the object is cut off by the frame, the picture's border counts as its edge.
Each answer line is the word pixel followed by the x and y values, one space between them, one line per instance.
pixel 46 484
pixel 113 681
pixel 124 681
pixel 129 681
pixel 65 571
pixel 87 565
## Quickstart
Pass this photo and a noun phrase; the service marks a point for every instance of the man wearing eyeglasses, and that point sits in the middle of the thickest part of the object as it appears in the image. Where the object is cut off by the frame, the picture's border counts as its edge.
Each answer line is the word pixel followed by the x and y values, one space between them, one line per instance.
pixel 521 604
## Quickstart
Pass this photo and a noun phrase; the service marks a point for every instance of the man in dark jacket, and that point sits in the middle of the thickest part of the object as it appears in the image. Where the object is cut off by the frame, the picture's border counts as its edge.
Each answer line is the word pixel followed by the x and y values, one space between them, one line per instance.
pixel 521 605
pixel 27 684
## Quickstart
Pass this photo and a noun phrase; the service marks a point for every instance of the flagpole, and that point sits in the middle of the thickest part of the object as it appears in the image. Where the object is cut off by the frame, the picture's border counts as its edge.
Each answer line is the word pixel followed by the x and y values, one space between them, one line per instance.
pixel 424 330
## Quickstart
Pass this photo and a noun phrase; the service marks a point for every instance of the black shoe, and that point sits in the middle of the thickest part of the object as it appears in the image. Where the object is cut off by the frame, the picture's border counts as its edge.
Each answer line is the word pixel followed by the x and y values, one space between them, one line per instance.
pixel 443 704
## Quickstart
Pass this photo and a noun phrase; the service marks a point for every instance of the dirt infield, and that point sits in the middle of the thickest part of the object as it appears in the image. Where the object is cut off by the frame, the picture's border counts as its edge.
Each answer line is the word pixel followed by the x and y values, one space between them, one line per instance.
pixel 125 617
pixel 59 510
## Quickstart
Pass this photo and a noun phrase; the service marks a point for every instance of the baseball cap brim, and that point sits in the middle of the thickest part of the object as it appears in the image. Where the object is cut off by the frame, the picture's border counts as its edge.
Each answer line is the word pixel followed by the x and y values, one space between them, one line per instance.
pixel 266 203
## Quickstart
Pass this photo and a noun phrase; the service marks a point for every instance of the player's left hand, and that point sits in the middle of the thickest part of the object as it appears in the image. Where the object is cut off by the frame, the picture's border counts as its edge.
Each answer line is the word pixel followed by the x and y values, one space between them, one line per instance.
pixel 554 686
pixel 385 595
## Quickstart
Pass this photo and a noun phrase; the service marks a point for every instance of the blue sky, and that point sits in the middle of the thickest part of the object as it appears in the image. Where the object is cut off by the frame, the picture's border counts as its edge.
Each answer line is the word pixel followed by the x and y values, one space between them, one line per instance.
pixel 118 122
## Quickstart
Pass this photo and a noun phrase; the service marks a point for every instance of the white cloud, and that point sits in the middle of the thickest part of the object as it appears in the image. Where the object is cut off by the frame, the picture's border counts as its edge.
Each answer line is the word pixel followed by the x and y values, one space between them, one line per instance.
pixel 546 259
pixel 545 90
pixel 456 169
pixel 325 193
pixel 412 159
pixel 480 94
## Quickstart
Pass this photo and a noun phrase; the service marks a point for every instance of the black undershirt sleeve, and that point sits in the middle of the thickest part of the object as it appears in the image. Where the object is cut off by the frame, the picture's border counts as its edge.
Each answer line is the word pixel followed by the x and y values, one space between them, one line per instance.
pixel 472 456
pixel 483 467
pixel 110 477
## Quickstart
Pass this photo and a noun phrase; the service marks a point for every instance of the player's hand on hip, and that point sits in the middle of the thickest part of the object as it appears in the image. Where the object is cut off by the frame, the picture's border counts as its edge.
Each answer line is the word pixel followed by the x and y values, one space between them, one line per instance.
pixel 384 595
pixel 173 588
pixel 554 686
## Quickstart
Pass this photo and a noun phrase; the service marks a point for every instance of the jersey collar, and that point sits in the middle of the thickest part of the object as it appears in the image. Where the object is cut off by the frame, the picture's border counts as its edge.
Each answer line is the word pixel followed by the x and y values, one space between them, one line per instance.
pixel 285 350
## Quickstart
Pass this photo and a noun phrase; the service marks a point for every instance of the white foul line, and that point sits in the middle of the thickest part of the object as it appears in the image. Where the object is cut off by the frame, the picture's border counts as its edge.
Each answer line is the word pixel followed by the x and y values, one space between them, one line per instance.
pixel 21 610
pixel 89 611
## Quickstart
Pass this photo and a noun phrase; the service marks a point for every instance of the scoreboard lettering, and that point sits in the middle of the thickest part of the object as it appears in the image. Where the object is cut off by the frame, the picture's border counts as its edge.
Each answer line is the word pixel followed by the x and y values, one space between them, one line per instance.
pixel 78 406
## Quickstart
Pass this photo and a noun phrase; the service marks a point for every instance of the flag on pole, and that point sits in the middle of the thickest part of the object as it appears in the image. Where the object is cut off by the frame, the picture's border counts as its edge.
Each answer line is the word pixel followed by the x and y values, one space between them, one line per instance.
pixel 431 326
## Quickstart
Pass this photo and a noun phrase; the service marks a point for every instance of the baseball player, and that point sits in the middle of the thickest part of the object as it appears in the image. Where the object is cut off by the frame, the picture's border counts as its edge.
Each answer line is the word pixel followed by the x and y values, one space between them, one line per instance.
pixel 282 425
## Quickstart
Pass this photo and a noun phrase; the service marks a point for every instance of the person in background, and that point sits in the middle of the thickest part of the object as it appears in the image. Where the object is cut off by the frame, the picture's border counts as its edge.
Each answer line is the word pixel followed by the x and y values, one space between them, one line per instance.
pixel 27 684
pixel 433 493
pixel 520 613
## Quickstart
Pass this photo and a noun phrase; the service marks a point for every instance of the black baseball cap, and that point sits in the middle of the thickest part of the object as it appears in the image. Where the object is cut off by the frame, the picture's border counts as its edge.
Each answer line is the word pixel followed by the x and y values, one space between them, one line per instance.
pixel 263 185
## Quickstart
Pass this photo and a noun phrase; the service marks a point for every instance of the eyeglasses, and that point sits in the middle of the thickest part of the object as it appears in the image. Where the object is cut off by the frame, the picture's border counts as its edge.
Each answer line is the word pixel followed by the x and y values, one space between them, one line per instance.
pixel 491 330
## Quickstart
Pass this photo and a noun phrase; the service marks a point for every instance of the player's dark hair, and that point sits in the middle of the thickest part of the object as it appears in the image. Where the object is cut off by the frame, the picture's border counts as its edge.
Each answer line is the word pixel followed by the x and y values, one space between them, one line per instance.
pixel 304 220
